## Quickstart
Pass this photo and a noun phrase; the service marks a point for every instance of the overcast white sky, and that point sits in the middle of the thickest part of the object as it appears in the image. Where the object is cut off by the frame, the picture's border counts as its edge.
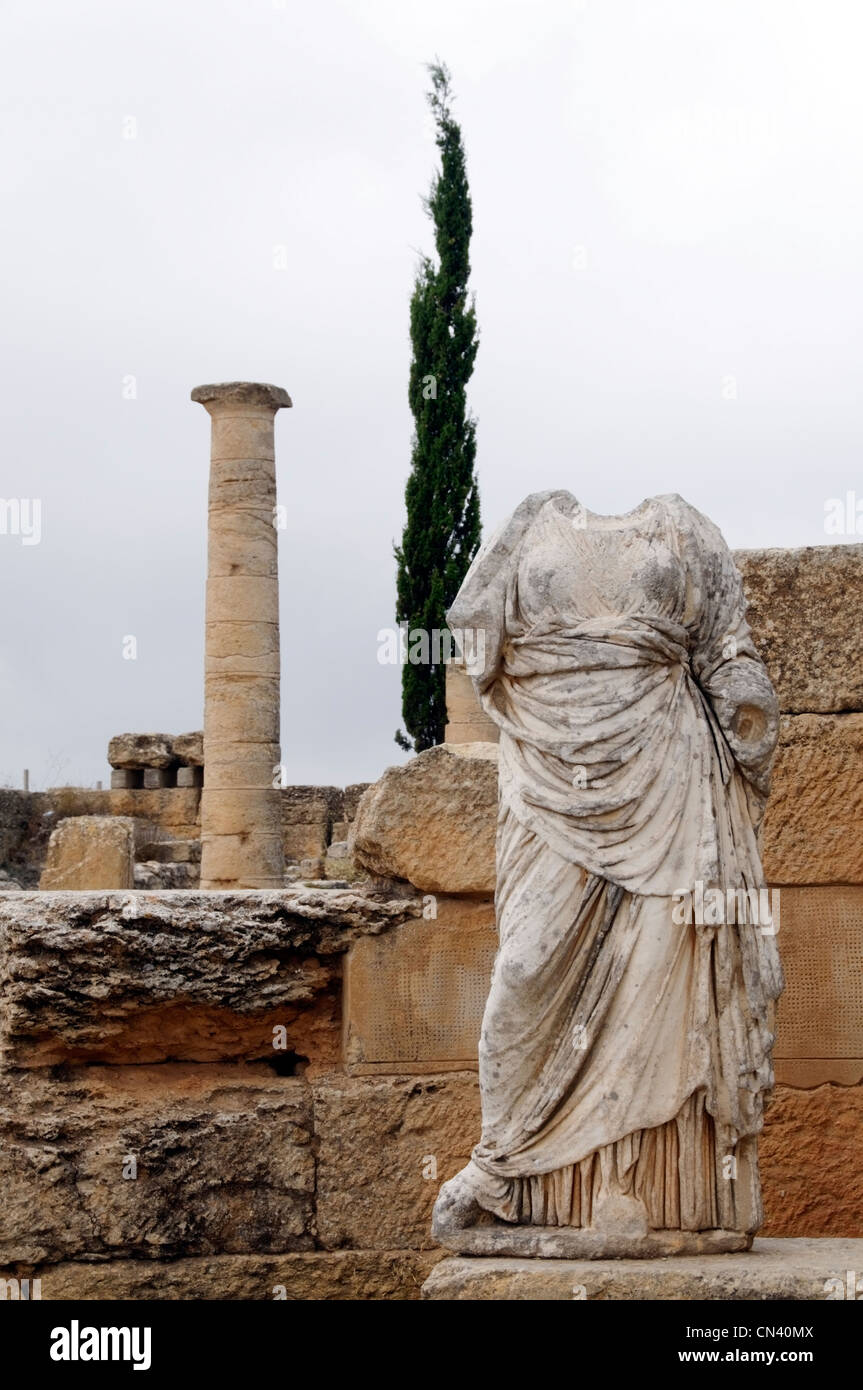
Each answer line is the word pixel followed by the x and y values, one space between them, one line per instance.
pixel 667 264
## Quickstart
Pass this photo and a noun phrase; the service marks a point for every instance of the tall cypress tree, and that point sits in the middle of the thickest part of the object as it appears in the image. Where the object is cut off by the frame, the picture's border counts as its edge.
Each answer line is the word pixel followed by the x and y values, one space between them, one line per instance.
pixel 442 529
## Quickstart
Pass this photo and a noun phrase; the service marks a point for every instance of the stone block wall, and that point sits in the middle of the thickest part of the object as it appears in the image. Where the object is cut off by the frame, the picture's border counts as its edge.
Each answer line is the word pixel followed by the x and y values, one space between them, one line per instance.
pixel 314 819
pixel 432 823
pixel 258 1094
pixel 175 1119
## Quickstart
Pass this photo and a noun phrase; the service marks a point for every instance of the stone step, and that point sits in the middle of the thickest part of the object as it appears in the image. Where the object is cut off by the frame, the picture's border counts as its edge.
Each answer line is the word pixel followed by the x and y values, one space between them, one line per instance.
pixel 785 1269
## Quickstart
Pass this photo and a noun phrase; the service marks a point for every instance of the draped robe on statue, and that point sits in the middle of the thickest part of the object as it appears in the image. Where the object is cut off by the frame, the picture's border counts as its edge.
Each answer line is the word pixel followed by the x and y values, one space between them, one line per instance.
pixel 624 1051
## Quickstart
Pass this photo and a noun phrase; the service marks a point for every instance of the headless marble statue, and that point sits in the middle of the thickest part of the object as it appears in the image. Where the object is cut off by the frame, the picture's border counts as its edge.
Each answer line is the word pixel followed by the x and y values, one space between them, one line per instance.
pixel 625 1052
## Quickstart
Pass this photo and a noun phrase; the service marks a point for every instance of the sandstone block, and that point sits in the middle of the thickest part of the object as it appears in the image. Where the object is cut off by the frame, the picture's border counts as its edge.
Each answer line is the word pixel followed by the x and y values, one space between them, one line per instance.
pixel 144 977
pixel 222 1160
pixel 175 810
pixel 90 852
pixel 414 998
pixel 773 1270
pixel 385 1145
pixel 308 814
pixel 122 779
pixel 355 1275
pixel 156 777
pixel 352 795
pixel 189 748
pixel 305 841
pixel 433 821
pixel 141 750
pixel 154 875
pixel 190 776
pixel 803 610
pixel 812 827
pixel 809 1158
pixel 819 1018
pixel 303 805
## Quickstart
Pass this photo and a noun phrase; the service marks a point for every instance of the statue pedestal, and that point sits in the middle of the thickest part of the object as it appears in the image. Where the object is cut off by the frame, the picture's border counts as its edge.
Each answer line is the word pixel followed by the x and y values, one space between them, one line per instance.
pixel 799 1269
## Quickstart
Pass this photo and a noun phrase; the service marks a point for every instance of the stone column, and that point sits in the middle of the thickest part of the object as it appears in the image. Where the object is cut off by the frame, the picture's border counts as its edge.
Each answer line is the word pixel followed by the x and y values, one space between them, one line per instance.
pixel 241 823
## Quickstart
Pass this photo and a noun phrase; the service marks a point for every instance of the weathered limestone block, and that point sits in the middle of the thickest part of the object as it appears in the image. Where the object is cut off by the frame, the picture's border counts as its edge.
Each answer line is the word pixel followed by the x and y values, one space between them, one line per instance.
pixel 466 720
pixel 305 841
pixel 811 830
pixel 339 866
pixel 155 875
pixel 126 778
pixel 433 820
pixel 135 977
pixel 189 748
pixel 813 827
pixel 157 777
pixel 414 998
pixel 175 810
pixel 190 776
pixel 319 1276
pixel 141 750
pixel 223 1157
pixel 804 607
pixel 384 1146
pixel 352 794
pixel 809 1157
pixel 88 852
pixel 773 1270
pixel 308 814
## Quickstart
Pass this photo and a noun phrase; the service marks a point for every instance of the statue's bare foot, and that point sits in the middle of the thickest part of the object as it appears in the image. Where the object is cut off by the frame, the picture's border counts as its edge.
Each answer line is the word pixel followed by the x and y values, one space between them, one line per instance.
pixel 456 1207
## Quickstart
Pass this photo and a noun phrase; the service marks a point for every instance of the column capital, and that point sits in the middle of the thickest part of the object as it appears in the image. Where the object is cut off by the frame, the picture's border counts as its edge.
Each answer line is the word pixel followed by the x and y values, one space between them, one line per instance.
pixel 241 393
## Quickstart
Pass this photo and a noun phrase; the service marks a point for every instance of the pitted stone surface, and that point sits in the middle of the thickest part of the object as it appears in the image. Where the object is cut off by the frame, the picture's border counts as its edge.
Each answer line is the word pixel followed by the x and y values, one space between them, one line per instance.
pixel 142 976
pixel 772 1269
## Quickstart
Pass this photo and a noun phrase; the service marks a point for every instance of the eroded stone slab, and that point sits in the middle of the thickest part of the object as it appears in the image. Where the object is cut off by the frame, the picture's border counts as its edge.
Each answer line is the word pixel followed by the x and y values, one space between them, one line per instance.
pixel 356 1275
pixel 772 1269
pixel 384 1146
pixel 141 977
pixel 89 852
pixel 501 1239
pixel 155 1161
pixel 141 750
pixel 433 821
